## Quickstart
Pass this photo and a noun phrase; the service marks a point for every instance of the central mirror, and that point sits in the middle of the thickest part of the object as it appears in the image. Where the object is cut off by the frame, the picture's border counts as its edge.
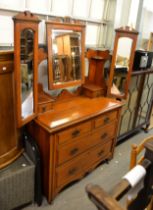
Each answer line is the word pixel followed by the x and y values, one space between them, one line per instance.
pixel 66 57
pixel 65 54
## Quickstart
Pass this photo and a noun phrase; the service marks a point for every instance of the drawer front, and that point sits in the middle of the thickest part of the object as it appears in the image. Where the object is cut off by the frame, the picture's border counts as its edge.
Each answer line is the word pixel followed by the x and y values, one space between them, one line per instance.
pixel 98 153
pixel 105 119
pixel 69 171
pixel 74 169
pixel 74 132
pixel 71 150
pixel 74 148
pixel 6 67
pixel 101 135
pixel 44 107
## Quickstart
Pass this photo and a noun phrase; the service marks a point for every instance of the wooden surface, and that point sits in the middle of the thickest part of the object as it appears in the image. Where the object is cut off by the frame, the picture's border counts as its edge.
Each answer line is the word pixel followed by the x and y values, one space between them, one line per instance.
pixel 76 110
pixel 9 142
pixel 69 134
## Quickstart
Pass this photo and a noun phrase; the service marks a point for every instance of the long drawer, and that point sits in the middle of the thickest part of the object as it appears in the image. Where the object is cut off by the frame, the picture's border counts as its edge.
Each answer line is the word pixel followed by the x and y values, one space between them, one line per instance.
pixel 77 167
pixel 76 147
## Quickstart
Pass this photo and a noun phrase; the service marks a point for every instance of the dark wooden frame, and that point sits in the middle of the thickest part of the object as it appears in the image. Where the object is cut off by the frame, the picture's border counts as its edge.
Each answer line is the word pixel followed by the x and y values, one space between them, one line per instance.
pixel 65 26
pixel 22 21
pixel 126 32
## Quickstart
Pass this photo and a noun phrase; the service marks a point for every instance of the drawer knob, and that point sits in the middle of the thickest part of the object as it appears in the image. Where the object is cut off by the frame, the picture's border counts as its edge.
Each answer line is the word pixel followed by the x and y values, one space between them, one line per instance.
pixel 75 133
pixel 106 119
pixel 74 151
pixel 104 135
pixel 72 171
pixel 101 153
pixel 4 68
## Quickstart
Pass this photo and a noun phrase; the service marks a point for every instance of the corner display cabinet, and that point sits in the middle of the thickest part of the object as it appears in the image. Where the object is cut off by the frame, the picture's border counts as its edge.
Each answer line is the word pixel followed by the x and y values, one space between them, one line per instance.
pixel 74 132
pixel 137 110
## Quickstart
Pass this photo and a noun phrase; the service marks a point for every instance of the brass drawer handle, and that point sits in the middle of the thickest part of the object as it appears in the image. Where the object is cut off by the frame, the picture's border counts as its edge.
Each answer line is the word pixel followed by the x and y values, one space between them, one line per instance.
pixel 72 171
pixel 104 135
pixel 101 153
pixel 75 133
pixel 74 151
pixel 43 109
pixel 106 120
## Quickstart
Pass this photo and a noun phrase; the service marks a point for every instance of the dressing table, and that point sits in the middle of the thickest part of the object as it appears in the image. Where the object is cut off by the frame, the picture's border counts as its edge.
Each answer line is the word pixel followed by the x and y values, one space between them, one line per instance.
pixel 75 132
pixel 74 123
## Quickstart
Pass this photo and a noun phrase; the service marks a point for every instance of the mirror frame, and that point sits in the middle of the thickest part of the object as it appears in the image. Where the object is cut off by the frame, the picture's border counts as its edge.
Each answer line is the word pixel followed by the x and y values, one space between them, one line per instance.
pixel 23 21
pixel 123 32
pixel 77 26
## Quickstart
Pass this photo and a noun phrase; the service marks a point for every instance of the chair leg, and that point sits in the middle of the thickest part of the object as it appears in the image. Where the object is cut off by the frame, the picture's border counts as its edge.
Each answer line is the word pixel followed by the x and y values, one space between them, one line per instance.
pixel 150 206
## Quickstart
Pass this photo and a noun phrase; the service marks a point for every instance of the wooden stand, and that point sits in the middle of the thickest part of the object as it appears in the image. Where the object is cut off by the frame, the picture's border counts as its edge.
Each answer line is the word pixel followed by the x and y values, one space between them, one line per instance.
pixel 95 84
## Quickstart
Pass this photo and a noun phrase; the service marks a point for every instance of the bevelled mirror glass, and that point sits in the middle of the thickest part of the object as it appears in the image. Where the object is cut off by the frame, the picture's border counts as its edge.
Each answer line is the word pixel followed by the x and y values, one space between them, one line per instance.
pixel 65 54
pixel 122 62
pixel 27 72
pixel 25 65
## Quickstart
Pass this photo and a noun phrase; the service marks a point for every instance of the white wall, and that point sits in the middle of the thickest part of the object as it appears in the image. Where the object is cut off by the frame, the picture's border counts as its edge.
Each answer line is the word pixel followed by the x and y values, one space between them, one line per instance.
pixel 94 12
pixel 115 15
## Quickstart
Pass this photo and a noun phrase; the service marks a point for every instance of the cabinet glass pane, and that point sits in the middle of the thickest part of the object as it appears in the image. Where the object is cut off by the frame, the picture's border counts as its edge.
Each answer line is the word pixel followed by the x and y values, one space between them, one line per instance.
pixel 97 8
pixel 61 8
pixel 81 8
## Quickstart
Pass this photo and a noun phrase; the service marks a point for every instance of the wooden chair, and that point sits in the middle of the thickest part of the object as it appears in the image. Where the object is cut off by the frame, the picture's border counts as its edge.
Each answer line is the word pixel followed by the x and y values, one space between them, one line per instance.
pixel 109 201
pixel 136 159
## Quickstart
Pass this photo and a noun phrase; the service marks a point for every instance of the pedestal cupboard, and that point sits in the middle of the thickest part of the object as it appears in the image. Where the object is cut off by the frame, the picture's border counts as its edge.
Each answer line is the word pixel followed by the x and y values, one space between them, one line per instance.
pixel 10 148
pixel 74 138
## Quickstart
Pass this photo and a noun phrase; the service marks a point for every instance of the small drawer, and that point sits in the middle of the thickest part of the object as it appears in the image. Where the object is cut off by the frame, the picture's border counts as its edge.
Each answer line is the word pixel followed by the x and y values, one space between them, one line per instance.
pixel 98 153
pixel 74 132
pixel 105 119
pixel 69 171
pixel 44 107
pixel 6 67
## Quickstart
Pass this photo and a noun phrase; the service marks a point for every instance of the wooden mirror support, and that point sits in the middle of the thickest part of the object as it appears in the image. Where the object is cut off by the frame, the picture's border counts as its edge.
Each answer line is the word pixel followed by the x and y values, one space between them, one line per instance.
pixel 65 42
pixel 122 62
pixel 26 63
pixel 96 81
